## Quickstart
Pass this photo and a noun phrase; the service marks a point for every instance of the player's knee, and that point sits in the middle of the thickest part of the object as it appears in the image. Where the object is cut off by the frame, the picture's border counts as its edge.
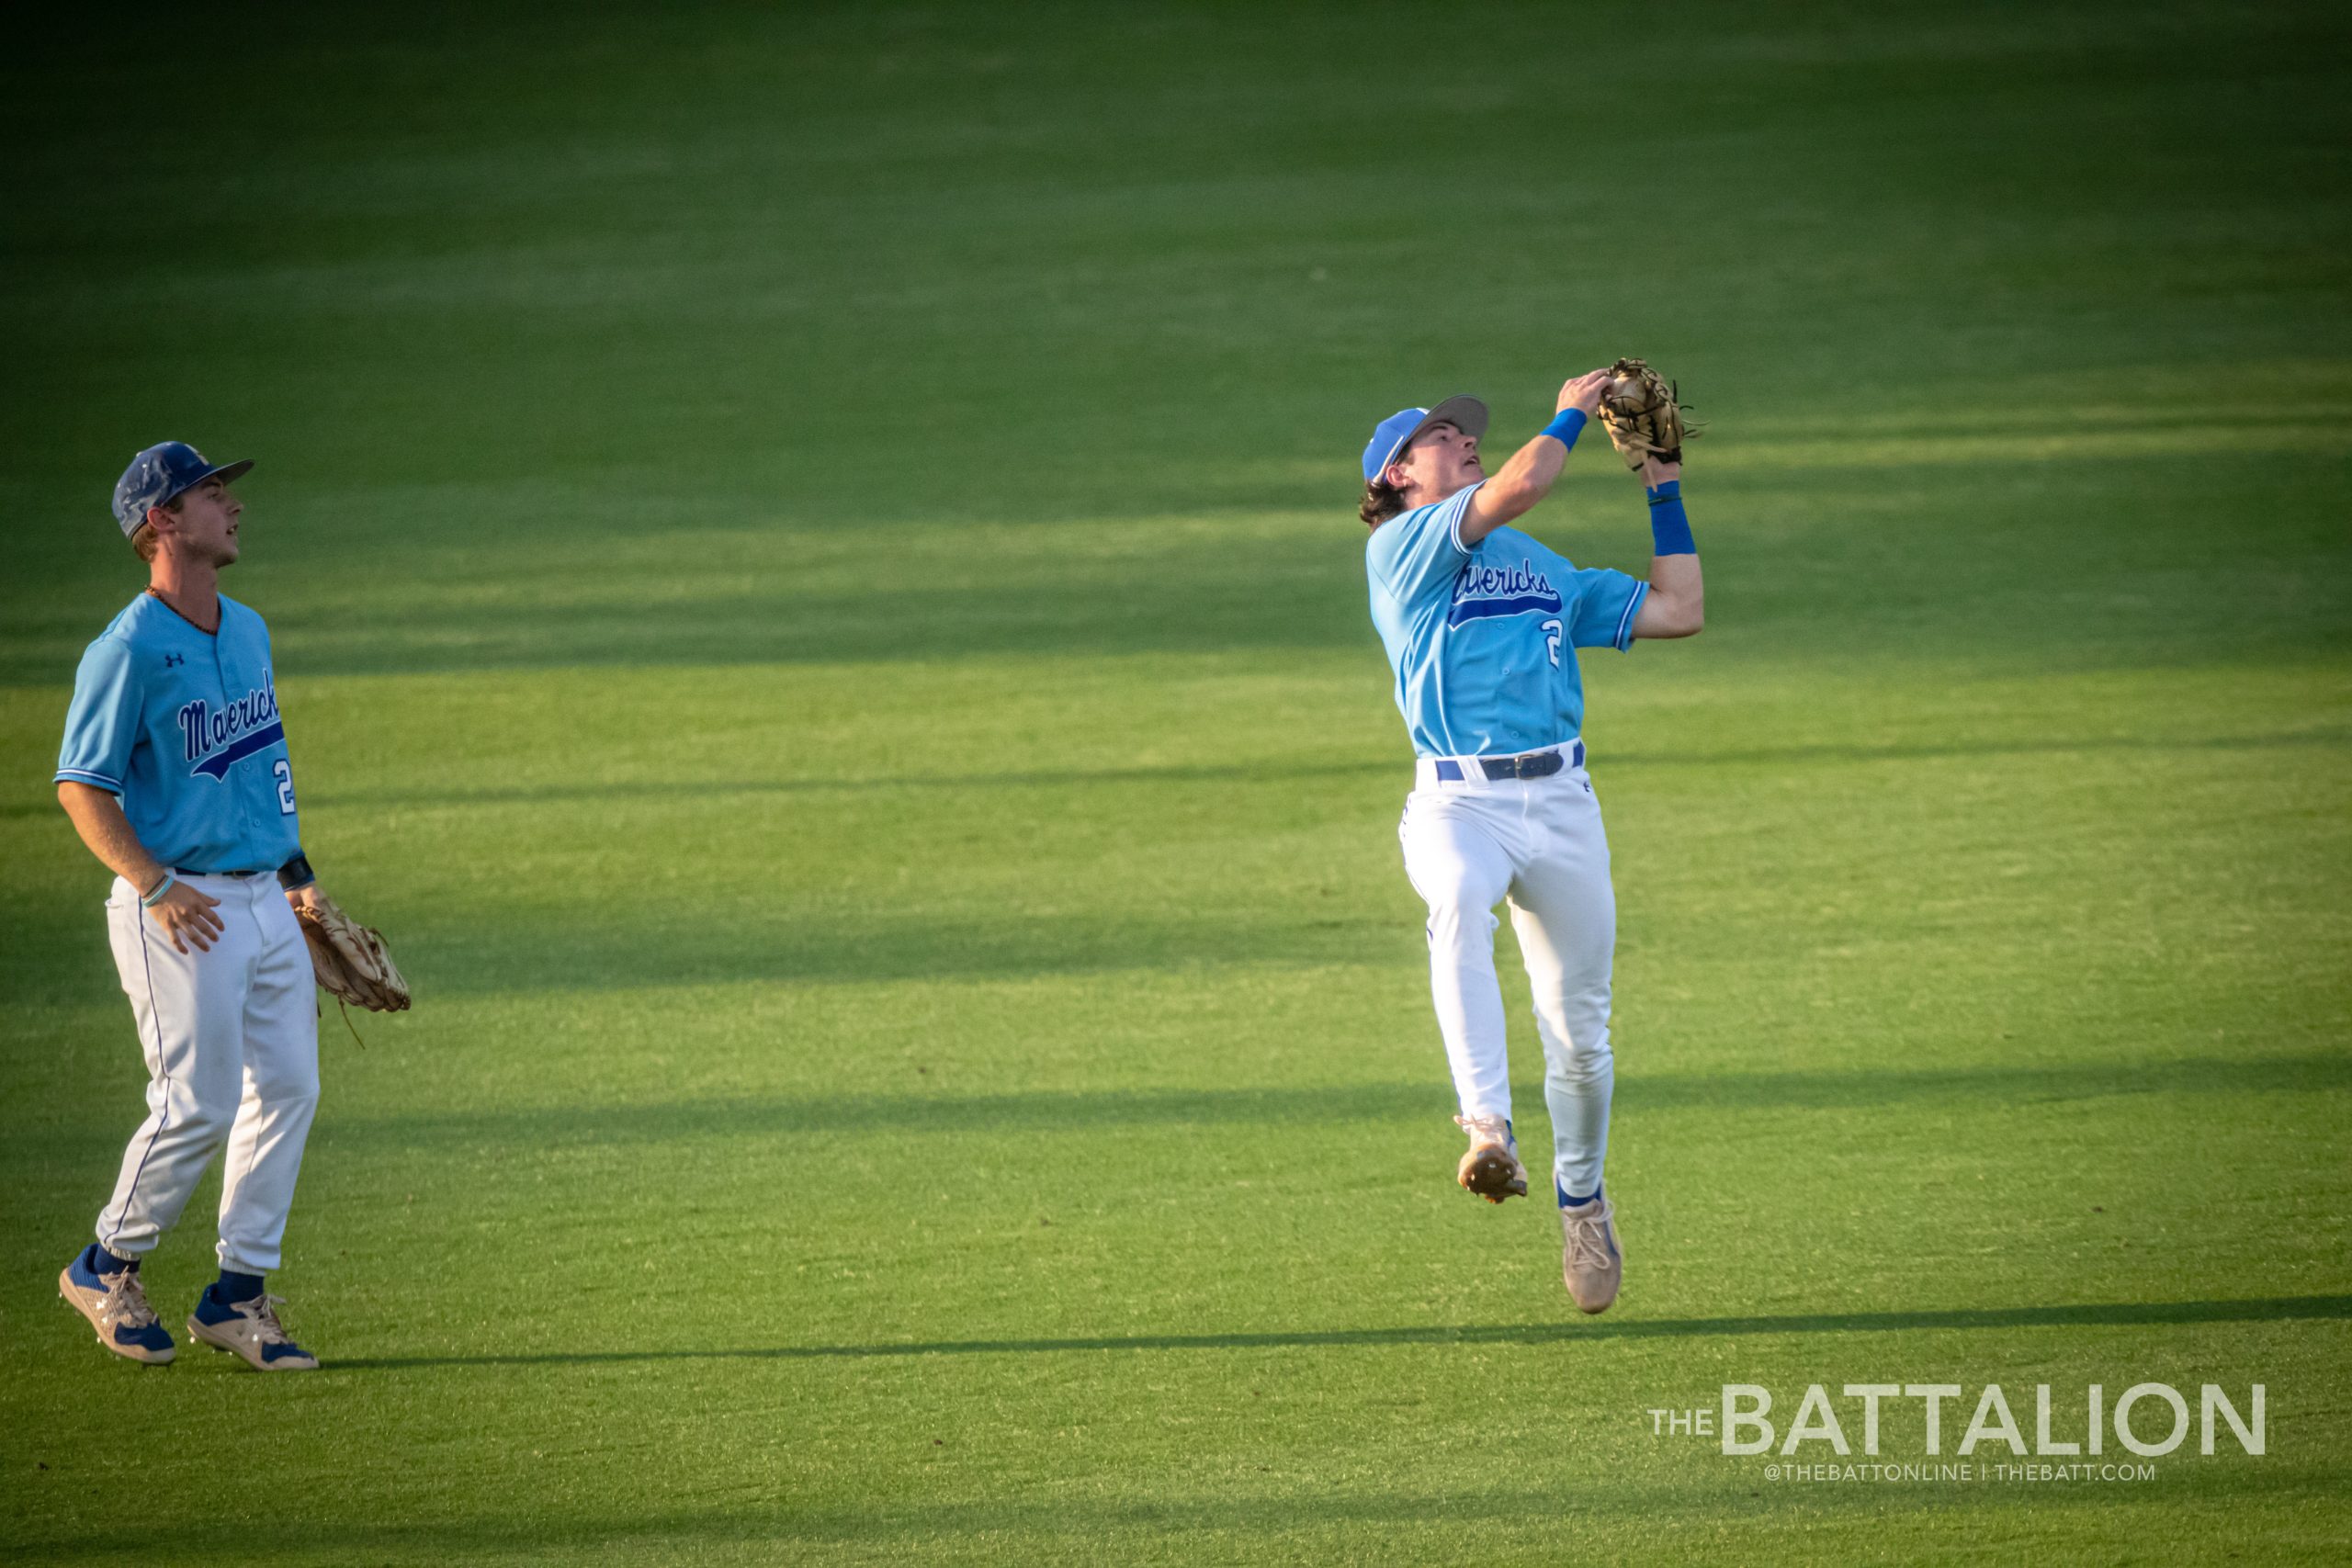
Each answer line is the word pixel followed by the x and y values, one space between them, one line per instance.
pixel 202 1119
pixel 300 1094
pixel 1586 1062
pixel 1453 922
pixel 1576 1037
pixel 1582 1075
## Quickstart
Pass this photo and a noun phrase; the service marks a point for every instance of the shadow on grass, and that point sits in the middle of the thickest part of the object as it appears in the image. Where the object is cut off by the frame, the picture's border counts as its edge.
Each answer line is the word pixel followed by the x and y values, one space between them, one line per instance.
pixel 2272 1309
pixel 914 1117
pixel 569 951
pixel 1222 1512
pixel 1270 772
pixel 1092 1112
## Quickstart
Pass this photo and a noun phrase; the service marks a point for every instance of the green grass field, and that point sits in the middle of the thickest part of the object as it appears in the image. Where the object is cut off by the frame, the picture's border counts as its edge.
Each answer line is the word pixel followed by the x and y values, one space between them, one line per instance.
pixel 815 591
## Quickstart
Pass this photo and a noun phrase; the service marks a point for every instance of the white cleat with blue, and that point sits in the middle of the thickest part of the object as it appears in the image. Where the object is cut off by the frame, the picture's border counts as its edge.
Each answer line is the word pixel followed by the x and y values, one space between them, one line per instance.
pixel 115 1305
pixel 250 1331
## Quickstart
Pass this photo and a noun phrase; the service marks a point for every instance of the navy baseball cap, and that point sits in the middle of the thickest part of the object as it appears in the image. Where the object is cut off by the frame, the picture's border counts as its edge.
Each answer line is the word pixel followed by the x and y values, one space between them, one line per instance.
pixel 158 473
pixel 1397 432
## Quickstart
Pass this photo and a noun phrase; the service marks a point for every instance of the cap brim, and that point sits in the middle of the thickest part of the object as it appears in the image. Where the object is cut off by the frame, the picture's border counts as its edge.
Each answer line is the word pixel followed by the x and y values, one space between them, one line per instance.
pixel 1466 414
pixel 227 473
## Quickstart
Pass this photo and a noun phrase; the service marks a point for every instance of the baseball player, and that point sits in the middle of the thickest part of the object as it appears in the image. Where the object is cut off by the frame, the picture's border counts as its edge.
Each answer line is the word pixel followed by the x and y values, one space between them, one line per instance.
pixel 1481 624
pixel 176 774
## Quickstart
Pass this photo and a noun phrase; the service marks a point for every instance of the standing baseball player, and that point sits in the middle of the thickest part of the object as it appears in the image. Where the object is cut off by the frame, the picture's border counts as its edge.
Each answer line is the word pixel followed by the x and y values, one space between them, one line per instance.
pixel 175 772
pixel 1481 625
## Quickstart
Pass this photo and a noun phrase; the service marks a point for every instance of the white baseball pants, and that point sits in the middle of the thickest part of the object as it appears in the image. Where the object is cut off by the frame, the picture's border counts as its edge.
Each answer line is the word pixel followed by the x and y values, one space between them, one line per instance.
pixel 1468 845
pixel 231 1042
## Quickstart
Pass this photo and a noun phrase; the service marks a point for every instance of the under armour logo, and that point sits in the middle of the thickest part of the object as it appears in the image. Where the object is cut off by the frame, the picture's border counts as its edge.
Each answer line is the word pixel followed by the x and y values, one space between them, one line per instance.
pixel 172 659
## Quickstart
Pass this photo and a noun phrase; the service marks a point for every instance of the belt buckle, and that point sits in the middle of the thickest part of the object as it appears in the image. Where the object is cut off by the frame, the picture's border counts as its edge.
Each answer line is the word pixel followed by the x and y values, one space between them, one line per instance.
pixel 1527 764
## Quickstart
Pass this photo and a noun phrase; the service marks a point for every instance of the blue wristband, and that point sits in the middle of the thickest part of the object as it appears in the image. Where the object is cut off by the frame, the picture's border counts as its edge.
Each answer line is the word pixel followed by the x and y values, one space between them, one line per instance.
pixel 1669 525
pixel 150 899
pixel 1566 426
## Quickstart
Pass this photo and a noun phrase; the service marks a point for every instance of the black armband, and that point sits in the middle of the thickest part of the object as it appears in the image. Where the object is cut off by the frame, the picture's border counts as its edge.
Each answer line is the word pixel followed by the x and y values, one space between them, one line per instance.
pixel 296 873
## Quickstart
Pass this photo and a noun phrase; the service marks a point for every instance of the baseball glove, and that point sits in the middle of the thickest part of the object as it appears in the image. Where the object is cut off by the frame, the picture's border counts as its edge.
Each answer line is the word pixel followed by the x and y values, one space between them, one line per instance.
pixel 1644 412
pixel 350 959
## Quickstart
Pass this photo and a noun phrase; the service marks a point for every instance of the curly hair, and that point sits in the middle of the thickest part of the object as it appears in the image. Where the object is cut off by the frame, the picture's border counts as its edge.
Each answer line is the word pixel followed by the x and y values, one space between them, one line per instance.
pixel 1381 502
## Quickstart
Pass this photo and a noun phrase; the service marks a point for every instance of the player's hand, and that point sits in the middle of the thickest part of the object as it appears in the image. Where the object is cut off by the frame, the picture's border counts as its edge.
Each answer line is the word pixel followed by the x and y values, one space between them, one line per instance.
pixel 1655 473
pixel 1584 393
pixel 185 912
pixel 306 896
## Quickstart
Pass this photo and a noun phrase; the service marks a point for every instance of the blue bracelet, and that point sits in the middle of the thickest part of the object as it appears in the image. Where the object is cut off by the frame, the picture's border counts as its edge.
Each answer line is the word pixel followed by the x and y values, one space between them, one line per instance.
pixel 1669 525
pixel 1566 426
pixel 149 900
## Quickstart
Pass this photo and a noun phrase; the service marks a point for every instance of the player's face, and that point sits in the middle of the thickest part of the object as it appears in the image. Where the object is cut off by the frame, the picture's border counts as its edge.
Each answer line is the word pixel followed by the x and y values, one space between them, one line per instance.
pixel 207 523
pixel 1443 459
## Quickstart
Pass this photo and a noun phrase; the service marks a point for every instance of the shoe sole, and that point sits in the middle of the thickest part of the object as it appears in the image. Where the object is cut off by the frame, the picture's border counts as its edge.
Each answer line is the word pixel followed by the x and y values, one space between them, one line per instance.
pixel 195 1331
pixel 65 1292
pixel 1493 1175
pixel 1597 1308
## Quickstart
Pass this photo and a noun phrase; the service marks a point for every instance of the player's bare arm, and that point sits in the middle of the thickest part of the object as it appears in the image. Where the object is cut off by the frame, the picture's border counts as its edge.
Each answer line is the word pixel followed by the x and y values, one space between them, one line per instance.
pixel 184 912
pixel 1676 605
pixel 1528 477
pixel 1445 458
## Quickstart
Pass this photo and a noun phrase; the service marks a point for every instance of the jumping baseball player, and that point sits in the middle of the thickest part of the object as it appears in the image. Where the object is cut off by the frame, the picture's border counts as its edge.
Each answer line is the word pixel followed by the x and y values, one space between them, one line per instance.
pixel 1481 624
pixel 176 774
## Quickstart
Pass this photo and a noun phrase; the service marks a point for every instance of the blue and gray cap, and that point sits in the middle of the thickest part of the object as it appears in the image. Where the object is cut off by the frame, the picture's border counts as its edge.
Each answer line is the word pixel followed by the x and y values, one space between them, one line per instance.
pixel 1397 432
pixel 158 473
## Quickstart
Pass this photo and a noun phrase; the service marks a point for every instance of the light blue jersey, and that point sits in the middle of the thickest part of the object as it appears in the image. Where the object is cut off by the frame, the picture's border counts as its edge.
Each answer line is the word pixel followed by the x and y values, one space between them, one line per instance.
pixel 1482 640
pixel 183 725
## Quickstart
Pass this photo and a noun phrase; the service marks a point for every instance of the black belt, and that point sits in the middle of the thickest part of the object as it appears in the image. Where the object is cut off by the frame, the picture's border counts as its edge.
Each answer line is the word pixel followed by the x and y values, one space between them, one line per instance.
pixel 183 871
pixel 1533 765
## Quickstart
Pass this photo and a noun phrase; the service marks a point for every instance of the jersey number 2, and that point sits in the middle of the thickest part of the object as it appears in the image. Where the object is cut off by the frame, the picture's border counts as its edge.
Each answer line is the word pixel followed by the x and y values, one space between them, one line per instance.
pixel 1551 641
pixel 285 772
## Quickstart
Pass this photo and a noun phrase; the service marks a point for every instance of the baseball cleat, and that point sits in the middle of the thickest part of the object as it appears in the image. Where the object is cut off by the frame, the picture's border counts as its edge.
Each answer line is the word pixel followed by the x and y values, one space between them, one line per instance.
pixel 1491 1168
pixel 1589 1260
pixel 117 1306
pixel 250 1331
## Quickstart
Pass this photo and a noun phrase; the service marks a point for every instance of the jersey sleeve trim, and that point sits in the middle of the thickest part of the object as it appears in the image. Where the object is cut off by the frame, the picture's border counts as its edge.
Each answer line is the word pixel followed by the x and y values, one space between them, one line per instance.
pixel 1624 640
pixel 1461 504
pixel 83 775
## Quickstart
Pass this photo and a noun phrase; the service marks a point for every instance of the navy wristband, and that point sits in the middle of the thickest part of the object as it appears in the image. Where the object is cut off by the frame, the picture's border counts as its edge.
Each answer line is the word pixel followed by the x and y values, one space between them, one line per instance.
pixel 1669 525
pixel 1566 426
pixel 296 873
